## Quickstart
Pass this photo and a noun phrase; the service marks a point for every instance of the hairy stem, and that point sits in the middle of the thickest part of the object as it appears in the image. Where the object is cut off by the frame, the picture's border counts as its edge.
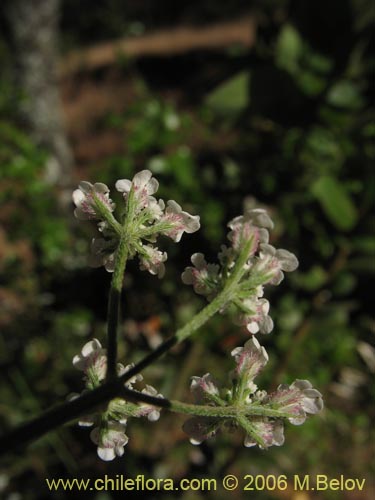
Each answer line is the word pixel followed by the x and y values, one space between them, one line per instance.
pixel 114 306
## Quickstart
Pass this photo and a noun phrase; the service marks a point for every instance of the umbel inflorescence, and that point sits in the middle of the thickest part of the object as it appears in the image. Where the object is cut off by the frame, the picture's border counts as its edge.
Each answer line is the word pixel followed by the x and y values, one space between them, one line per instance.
pixel 234 284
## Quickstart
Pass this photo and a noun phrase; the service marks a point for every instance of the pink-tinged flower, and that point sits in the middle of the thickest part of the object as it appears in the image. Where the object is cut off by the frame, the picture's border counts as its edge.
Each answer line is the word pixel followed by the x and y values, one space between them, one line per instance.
pixel 110 439
pixel 150 411
pixel 153 260
pixel 179 221
pixel 269 432
pixel 143 185
pixel 84 200
pixel 254 315
pixel 92 361
pixel 201 428
pixel 250 360
pixel 204 389
pixel 297 400
pixel 242 231
pixel 204 277
pixel 275 262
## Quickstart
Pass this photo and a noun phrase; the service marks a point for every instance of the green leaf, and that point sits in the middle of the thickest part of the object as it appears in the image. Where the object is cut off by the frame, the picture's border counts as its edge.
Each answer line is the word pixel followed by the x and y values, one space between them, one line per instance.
pixel 365 244
pixel 313 279
pixel 289 48
pixel 311 83
pixel 336 202
pixel 232 96
pixel 345 94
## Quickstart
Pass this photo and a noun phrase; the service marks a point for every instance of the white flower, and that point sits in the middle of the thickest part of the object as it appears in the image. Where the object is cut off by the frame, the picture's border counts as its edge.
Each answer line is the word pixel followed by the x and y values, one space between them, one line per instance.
pixel 153 260
pixel 150 411
pixel 270 432
pixel 92 361
pixel 110 439
pixel 254 315
pixel 143 185
pixel 298 399
pixel 250 360
pixel 275 261
pixel 179 220
pixel 204 388
pixel 242 231
pixel 204 277
pixel 155 208
pixel 83 199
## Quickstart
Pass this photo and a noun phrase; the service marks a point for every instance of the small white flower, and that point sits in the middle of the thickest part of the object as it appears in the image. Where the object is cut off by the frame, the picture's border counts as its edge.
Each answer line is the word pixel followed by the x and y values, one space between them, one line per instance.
pixel 298 399
pixel 180 221
pixel 155 208
pixel 275 261
pixel 270 432
pixel 203 388
pixel 83 199
pixel 242 231
pixel 250 360
pixel 150 411
pixel 254 315
pixel 153 260
pixel 110 439
pixel 204 277
pixel 92 361
pixel 143 184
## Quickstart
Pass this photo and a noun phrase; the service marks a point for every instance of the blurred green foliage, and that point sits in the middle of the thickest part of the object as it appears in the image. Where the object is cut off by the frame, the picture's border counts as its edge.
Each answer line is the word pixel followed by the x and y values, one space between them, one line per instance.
pixel 27 198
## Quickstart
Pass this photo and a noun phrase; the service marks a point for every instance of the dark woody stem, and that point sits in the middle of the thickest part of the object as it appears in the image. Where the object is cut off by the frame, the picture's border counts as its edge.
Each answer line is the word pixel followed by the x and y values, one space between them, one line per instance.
pixel 116 283
pixel 87 402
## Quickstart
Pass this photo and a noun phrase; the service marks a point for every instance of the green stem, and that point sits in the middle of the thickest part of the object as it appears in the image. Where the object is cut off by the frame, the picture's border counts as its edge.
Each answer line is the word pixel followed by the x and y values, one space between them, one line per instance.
pixel 107 215
pixel 220 301
pixel 249 429
pixel 224 411
pixel 114 306
pixel 116 284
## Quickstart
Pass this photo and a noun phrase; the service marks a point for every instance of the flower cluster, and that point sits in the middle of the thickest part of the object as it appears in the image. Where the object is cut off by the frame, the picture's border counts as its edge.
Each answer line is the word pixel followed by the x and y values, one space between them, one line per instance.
pixel 145 218
pixel 109 427
pixel 261 415
pixel 263 265
pixel 235 284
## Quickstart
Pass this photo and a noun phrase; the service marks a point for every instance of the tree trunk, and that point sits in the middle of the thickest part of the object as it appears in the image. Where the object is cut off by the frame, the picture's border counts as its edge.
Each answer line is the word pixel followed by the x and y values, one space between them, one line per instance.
pixel 34 30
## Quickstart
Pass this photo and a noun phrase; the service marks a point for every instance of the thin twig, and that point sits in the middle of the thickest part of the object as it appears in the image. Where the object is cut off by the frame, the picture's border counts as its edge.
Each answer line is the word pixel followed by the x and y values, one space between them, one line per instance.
pixel 162 43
